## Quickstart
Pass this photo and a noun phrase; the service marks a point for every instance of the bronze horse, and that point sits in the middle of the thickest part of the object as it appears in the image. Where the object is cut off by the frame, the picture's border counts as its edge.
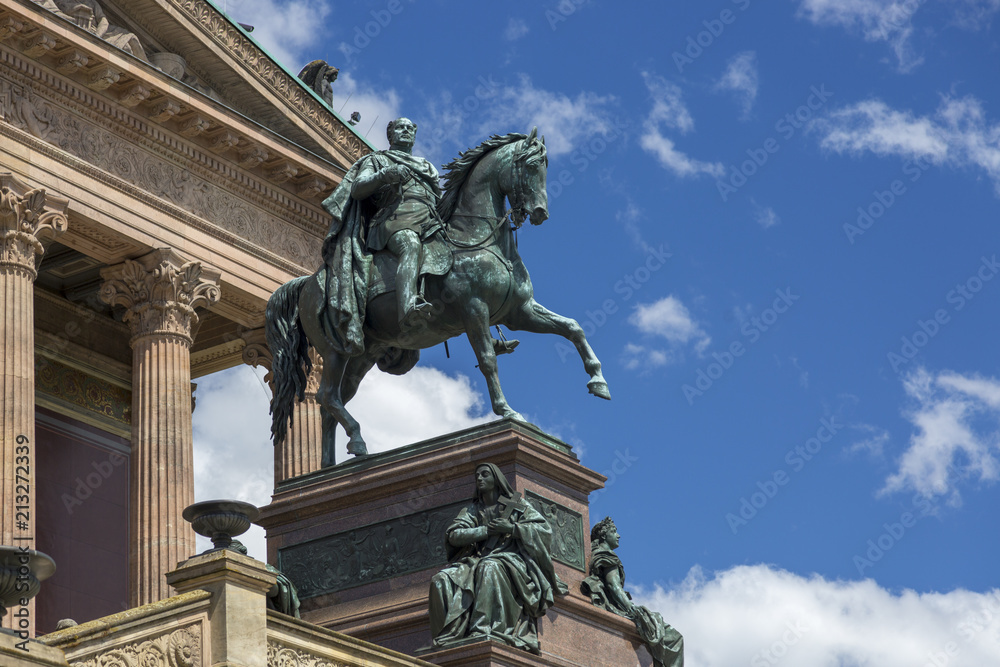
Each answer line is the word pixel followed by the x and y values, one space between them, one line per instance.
pixel 487 285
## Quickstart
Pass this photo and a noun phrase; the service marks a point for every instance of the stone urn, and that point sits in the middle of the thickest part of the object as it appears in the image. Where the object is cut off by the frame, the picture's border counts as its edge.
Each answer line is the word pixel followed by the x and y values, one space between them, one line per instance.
pixel 22 572
pixel 221 520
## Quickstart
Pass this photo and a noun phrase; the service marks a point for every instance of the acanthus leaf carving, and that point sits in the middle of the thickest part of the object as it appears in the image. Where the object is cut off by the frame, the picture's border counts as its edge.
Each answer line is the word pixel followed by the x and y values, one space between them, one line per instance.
pixel 180 648
pixel 164 110
pixel 279 655
pixel 72 62
pixel 160 293
pixel 27 216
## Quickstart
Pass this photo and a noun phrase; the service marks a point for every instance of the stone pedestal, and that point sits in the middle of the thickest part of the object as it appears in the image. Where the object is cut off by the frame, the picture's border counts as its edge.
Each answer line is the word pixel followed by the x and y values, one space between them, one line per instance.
pixel 362 540
pixel 26 217
pixel 160 292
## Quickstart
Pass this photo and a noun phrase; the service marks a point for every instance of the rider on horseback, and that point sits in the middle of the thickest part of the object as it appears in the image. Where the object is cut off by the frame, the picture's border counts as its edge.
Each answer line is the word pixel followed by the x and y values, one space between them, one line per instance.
pixel 402 192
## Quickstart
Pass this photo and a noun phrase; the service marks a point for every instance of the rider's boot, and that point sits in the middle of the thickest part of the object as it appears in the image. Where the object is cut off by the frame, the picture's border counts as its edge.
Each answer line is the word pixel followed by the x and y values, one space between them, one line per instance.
pixel 412 305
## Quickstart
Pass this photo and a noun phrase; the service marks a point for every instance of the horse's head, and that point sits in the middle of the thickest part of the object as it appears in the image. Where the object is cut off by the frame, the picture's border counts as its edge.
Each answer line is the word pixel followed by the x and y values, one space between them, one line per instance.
pixel 527 195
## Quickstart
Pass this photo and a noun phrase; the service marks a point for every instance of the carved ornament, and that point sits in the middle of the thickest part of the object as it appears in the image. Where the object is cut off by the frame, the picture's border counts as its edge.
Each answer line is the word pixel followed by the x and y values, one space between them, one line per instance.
pixel 181 648
pixel 26 217
pixel 285 656
pixel 160 293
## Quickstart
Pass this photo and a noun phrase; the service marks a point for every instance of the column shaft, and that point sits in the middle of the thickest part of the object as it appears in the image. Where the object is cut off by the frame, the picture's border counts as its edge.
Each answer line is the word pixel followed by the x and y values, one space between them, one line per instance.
pixel 26 217
pixel 162 463
pixel 160 292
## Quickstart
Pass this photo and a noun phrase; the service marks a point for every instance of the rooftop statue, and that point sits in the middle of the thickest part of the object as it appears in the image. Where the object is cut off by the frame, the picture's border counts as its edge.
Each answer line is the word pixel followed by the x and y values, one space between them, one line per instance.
pixel 407 266
pixel 606 588
pixel 320 76
pixel 501 578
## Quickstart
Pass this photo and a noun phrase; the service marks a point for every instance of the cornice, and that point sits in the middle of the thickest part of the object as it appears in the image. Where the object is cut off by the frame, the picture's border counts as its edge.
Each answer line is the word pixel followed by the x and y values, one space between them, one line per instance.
pixel 140 97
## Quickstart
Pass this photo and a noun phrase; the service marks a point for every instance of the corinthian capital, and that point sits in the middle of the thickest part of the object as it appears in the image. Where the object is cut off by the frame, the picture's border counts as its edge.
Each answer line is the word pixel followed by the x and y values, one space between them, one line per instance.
pixel 160 292
pixel 26 217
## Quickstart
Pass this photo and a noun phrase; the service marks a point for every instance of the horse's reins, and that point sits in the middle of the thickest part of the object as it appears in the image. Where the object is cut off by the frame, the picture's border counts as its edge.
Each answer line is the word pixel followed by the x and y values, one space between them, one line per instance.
pixel 507 215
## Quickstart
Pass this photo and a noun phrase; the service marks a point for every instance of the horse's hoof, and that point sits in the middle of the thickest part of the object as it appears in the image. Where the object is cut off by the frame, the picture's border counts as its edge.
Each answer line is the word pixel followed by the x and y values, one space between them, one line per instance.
pixel 599 389
pixel 515 415
pixel 357 447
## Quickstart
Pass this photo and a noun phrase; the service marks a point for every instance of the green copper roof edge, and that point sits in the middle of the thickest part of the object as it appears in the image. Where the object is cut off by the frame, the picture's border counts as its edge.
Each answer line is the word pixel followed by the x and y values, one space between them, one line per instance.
pixel 287 71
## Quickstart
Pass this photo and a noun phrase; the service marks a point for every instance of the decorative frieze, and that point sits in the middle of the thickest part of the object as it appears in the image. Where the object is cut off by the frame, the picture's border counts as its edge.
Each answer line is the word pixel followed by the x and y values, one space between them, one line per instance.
pixel 25 109
pixel 180 648
pixel 369 553
pixel 76 388
pixel 279 655
pixel 567 530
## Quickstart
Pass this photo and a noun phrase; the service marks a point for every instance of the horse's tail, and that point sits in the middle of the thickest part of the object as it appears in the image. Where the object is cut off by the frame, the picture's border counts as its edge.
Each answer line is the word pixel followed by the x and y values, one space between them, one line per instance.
pixel 289 347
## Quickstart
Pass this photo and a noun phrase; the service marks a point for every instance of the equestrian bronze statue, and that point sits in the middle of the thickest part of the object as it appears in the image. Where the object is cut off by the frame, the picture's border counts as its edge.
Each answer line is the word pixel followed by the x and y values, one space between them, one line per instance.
pixel 406 267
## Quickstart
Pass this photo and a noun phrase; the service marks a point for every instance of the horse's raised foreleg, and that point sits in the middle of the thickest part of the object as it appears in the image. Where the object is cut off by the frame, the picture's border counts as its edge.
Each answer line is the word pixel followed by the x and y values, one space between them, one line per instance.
pixel 477 328
pixel 329 395
pixel 533 316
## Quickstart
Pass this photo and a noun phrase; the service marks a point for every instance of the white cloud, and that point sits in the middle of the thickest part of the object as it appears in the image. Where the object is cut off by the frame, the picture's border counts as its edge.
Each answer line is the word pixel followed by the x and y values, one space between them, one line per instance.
pixel 670 113
pixel 874 444
pixel 888 21
pixel 957 134
pixel 565 121
pixel 740 77
pixel 975 14
pixel 957 421
pixel 233 455
pixel 376 107
pixel 759 615
pixel 669 318
pixel 515 30
pixel 285 28
pixel 638 357
pixel 765 215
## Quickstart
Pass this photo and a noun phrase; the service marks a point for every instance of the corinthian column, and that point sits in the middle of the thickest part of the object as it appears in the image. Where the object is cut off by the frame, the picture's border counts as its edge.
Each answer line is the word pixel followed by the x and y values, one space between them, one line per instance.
pixel 160 292
pixel 26 217
pixel 302 450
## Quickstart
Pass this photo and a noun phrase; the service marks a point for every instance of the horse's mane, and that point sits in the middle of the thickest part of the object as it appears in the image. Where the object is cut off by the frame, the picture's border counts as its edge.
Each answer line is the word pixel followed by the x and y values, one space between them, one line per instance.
pixel 460 168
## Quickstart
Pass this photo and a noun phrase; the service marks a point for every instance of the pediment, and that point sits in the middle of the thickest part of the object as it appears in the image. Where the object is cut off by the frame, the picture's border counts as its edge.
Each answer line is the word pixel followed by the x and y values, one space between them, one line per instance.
pixel 211 55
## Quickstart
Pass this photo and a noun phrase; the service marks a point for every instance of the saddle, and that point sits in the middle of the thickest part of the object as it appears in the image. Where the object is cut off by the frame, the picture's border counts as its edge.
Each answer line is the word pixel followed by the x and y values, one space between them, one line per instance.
pixel 436 260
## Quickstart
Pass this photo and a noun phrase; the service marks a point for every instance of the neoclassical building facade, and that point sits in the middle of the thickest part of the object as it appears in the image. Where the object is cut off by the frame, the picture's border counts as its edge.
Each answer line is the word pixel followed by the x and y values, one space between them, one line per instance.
pixel 160 177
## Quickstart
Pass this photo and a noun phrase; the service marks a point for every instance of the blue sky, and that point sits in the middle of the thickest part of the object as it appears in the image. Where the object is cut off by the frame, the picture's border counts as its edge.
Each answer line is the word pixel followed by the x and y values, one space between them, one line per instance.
pixel 778 224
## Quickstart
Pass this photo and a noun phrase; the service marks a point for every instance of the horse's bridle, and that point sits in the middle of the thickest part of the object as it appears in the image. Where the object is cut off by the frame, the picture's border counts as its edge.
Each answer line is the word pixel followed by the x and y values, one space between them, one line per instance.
pixel 515 215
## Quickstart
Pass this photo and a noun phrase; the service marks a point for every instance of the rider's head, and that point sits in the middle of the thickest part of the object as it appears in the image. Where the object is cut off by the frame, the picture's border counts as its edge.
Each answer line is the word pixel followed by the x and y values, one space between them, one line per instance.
pixel 401 133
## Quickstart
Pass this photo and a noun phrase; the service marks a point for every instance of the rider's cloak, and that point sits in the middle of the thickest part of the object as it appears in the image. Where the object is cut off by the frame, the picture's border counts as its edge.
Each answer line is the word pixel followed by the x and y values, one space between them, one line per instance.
pixel 347 263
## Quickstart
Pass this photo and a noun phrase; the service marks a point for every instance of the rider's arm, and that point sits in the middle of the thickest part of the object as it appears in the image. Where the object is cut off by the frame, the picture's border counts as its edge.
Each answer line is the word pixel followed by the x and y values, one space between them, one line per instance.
pixel 370 179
